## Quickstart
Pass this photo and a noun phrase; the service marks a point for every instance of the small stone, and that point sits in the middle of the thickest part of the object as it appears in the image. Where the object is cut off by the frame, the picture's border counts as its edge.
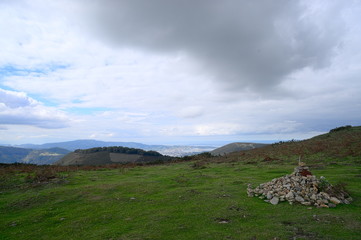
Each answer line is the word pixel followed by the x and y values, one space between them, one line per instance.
pixel 269 195
pixel 313 197
pixel 325 195
pixel 132 198
pixel 306 203
pixel 299 199
pixel 274 200
pixel 335 200
pixel 289 195
pixel 13 224
pixel 223 221
pixel 309 208
pixel 331 205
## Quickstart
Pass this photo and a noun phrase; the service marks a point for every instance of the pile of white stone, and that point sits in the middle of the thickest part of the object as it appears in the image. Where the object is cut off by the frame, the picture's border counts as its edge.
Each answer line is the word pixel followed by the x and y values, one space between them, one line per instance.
pixel 300 187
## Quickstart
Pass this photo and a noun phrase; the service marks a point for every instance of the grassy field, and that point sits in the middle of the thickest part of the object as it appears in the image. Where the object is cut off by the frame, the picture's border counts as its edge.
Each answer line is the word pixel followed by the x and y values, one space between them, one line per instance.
pixel 175 201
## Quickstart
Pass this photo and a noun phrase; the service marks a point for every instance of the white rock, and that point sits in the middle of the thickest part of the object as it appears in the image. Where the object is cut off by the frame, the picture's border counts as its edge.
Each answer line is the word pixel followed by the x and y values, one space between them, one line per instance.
pixel 299 199
pixel 274 200
pixel 269 195
pixel 313 197
pixel 335 200
pixel 290 195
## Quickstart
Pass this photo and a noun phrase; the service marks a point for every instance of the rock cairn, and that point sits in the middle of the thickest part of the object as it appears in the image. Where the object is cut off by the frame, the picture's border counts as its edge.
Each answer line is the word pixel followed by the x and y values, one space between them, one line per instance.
pixel 301 187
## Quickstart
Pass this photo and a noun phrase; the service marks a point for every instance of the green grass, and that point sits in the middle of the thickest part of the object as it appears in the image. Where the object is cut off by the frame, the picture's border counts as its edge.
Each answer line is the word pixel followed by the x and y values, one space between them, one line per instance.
pixel 173 202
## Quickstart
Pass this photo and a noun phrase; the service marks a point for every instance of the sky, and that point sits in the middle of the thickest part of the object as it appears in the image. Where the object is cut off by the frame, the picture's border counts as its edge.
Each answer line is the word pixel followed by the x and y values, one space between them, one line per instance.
pixel 178 71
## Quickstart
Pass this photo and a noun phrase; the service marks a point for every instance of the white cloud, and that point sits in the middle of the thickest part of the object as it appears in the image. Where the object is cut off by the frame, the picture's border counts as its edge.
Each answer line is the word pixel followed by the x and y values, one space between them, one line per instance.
pixel 18 108
pixel 190 112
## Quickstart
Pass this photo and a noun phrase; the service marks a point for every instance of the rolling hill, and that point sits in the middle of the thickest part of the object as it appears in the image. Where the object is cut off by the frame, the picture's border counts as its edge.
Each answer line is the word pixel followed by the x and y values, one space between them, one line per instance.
pixel 235 147
pixel 23 155
pixel 13 154
pixel 339 144
pixel 177 150
pixel 110 155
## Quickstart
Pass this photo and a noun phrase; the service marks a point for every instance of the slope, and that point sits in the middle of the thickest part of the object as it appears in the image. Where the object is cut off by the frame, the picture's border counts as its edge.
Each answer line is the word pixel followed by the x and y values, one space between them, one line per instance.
pixel 22 155
pixel 45 156
pixel 13 154
pixel 110 155
pixel 339 144
pixel 235 147
pixel 172 202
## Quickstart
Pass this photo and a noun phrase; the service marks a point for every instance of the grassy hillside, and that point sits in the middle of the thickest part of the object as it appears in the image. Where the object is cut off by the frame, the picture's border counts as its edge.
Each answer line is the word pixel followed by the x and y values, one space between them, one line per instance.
pixel 342 145
pixel 235 147
pixel 175 201
pixel 204 198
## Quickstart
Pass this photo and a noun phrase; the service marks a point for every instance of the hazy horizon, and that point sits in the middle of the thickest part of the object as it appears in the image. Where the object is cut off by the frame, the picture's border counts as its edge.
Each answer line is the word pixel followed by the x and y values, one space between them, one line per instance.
pixel 179 143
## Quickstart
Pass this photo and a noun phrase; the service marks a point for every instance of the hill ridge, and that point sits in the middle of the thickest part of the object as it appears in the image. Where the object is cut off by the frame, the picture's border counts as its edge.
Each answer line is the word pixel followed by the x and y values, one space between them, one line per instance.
pixel 340 144
pixel 110 155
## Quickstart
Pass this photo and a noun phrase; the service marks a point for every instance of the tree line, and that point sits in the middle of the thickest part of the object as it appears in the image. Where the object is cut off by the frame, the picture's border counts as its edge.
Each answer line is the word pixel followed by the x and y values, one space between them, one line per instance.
pixel 119 150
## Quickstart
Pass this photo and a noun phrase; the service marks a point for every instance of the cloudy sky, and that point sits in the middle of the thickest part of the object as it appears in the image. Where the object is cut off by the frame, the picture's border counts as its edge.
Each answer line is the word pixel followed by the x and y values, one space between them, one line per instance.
pixel 178 71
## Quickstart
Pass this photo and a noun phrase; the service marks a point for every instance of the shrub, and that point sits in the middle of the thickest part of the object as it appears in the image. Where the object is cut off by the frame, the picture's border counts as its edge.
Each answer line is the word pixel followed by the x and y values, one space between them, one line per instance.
pixel 44 174
pixel 199 165
pixel 341 128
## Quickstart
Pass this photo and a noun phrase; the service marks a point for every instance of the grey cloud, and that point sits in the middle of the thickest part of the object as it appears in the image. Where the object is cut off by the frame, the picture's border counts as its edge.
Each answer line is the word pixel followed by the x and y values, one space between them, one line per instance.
pixel 242 44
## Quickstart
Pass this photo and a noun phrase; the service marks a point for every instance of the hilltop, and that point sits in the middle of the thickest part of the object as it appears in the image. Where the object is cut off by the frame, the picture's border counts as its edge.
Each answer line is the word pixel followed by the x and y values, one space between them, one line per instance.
pixel 235 147
pixel 110 155
pixel 339 144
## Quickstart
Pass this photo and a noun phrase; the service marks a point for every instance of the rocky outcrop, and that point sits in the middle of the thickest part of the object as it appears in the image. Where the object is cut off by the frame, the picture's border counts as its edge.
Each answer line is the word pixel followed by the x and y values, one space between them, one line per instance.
pixel 301 187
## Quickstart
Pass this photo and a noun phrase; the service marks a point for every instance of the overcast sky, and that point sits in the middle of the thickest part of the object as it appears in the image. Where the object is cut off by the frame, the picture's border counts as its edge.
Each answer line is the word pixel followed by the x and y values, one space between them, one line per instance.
pixel 178 71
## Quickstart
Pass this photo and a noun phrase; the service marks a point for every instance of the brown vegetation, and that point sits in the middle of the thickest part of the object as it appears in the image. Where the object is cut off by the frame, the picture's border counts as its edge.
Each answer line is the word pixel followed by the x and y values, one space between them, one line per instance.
pixel 338 144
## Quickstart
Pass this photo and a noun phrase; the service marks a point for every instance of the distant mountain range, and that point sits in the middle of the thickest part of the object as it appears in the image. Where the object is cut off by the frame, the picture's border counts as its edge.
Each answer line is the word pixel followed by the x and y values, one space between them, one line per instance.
pixel 175 151
pixel 87 143
pixel 49 153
